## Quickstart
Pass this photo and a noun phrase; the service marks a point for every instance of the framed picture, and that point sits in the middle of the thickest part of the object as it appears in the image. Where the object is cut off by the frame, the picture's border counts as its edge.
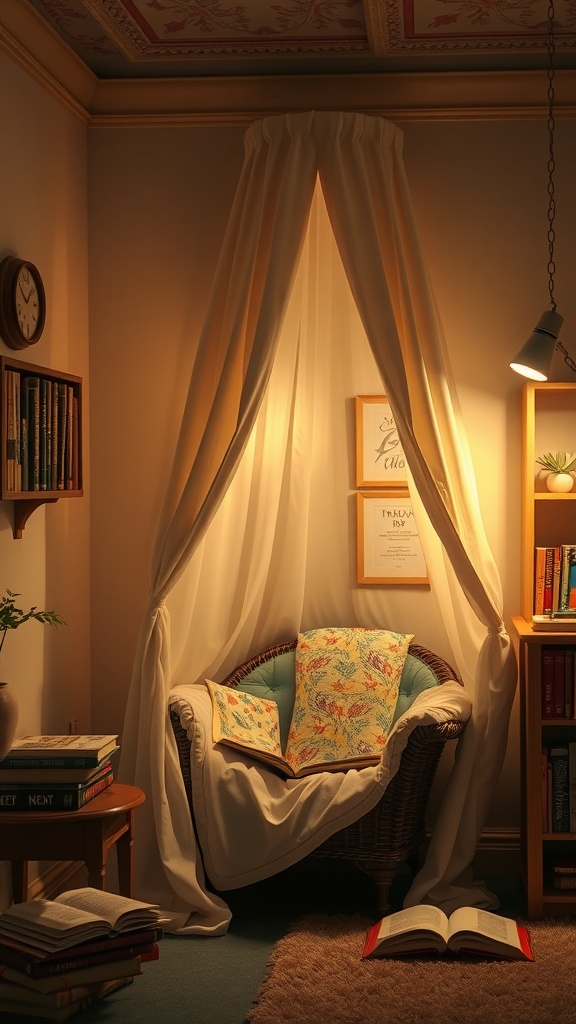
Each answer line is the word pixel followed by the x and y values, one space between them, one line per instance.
pixel 389 548
pixel 380 459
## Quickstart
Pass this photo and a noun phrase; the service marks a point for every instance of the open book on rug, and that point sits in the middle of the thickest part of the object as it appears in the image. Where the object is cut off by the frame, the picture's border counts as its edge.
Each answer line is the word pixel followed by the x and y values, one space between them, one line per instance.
pixel 427 929
pixel 346 690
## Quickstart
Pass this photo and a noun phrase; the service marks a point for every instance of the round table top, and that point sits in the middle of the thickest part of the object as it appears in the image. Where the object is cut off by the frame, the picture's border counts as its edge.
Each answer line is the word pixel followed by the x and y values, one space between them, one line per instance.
pixel 117 797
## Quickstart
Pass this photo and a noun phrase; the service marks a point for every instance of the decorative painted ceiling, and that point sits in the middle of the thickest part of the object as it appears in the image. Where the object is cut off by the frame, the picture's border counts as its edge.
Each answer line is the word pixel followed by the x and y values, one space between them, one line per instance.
pixel 168 38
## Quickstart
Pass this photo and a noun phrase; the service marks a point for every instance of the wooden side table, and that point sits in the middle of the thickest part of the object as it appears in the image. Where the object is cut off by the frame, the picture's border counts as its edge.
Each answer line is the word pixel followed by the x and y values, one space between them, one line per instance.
pixel 86 834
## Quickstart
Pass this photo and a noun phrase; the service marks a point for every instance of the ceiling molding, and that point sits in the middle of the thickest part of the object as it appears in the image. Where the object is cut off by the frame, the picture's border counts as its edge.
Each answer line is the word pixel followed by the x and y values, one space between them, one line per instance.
pixel 233 100
pixel 31 43
pixel 411 96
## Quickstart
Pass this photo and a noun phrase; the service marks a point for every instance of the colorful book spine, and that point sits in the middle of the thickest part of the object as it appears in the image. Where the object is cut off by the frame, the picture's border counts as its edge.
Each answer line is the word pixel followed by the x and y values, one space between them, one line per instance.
pixel 559 696
pixel 547 597
pixel 50 762
pixel 572 785
pixel 560 794
pixel 32 391
pixel 120 947
pixel 539 574
pixel 21 797
pixel 547 687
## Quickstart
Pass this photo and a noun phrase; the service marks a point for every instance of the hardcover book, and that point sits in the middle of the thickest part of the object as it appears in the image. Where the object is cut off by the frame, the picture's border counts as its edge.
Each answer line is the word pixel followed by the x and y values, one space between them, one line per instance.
pixel 427 929
pixel 346 690
pixel 38 963
pixel 51 796
pixel 62 746
pixel 27 1008
pixel 59 989
pixel 78 915
pixel 29 771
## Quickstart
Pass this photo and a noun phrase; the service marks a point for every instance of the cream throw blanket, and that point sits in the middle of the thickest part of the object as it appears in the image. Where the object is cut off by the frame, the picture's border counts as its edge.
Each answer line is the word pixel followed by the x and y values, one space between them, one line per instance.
pixel 251 823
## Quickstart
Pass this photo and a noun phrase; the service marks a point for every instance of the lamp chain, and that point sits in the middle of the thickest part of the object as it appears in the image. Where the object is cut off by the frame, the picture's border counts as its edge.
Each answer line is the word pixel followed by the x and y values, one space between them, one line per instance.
pixel 567 357
pixel 551 158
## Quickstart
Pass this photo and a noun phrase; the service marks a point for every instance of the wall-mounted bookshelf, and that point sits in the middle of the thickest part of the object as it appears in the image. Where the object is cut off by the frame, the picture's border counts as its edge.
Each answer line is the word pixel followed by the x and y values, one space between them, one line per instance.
pixel 40 437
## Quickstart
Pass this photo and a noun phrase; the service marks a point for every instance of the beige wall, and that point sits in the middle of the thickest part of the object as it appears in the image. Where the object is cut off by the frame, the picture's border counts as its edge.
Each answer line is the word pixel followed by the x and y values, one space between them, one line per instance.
pixel 43 219
pixel 159 200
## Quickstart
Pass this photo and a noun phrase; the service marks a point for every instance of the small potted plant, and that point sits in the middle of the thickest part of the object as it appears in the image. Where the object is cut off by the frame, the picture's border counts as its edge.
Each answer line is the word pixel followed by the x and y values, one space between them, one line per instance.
pixel 11 617
pixel 560 466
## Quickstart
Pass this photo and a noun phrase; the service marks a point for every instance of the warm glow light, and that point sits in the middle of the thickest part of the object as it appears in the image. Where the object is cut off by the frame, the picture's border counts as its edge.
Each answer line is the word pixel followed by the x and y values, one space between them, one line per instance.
pixel 527 371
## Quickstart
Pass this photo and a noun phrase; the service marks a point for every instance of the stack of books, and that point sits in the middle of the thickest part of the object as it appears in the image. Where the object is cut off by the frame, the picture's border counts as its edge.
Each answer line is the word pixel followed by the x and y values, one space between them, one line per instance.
pixel 555 585
pixel 60 956
pixel 55 773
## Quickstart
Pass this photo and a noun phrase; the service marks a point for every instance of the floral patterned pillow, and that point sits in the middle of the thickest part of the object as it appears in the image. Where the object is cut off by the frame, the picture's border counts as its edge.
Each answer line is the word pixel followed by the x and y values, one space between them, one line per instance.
pixel 347 684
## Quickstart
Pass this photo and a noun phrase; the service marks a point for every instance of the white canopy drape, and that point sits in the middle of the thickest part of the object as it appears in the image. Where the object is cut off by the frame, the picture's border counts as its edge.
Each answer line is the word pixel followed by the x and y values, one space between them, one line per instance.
pixel 215 600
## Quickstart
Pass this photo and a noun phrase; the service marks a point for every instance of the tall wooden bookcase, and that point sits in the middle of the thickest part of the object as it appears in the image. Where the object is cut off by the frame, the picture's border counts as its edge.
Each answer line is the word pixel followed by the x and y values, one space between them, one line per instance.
pixel 40 437
pixel 548 519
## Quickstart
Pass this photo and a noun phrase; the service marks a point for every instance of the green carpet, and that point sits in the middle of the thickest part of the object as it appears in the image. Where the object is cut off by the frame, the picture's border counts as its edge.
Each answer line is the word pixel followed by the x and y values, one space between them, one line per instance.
pixel 216 980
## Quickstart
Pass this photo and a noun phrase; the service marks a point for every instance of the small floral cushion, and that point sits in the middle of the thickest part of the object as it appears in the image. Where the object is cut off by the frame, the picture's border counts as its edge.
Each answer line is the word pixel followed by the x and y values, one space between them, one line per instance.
pixel 244 721
pixel 347 684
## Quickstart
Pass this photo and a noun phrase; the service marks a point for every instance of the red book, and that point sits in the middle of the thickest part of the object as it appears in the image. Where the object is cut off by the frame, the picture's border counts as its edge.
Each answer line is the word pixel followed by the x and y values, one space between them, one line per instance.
pixel 37 964
pixel 559 698
pixel 547 686
pixel 548 601
pixel 427 929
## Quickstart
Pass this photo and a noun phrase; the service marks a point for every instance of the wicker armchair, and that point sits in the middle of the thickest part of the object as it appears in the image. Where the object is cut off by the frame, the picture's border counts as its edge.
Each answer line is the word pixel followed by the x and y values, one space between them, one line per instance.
pixel 394 831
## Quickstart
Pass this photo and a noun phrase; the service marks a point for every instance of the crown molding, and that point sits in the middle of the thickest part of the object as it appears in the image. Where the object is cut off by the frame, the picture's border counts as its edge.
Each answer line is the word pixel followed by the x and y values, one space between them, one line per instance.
pixel 28 39
pixel 400 97
pixel 239 100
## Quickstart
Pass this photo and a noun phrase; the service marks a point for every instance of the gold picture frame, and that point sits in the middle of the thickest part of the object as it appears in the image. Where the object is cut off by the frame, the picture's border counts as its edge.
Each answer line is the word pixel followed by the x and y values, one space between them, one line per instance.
pixel 380 458
pixel 388 545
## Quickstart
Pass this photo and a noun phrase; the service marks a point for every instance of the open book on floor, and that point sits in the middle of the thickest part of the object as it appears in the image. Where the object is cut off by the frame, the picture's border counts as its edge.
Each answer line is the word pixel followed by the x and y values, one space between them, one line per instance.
pixel 75 916
pixel 346 690
pixel 427 929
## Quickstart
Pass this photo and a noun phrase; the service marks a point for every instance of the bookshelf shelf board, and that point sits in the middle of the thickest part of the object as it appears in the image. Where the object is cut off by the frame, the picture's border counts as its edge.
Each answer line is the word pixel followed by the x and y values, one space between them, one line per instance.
pixel 548 496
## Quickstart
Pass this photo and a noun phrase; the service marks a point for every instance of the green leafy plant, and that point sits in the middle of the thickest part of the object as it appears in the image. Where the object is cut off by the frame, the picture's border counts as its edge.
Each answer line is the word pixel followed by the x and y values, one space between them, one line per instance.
pixel 561 462
pixel 11 617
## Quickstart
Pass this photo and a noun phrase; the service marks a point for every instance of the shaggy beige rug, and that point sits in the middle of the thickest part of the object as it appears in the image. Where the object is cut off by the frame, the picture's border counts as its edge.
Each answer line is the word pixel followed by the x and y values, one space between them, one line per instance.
pixel 316 976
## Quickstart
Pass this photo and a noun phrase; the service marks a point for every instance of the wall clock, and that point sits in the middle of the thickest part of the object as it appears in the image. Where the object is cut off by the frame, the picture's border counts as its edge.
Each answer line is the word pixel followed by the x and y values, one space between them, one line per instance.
pixel 22 302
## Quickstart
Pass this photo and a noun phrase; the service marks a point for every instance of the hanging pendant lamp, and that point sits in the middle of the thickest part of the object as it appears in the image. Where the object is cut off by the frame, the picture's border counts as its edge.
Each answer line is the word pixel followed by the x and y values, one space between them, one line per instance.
pixel 535 356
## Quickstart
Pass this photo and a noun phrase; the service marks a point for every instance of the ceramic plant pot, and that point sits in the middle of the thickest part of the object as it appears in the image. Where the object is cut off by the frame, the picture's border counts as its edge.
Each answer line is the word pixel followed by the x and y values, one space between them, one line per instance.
pixel 8 718
pixel 560 483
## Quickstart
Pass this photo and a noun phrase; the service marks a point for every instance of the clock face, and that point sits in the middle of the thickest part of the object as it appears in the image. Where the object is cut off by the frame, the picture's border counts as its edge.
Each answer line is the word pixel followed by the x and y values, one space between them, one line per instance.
pixel 22 303
pixel 27 303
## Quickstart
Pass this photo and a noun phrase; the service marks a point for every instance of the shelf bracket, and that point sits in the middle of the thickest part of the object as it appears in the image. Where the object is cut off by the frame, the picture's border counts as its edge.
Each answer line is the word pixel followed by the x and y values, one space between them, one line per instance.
pixel 23 510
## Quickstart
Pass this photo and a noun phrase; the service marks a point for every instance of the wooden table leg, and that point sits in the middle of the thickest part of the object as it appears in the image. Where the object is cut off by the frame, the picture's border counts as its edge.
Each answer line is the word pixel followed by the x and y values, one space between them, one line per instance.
pixel 19 881
pixel 124 853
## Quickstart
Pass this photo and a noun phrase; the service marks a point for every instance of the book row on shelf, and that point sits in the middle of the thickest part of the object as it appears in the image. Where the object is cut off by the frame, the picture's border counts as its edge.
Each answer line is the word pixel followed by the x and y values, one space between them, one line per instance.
pixel 559 788
pixel 56 773
pixel 555 580
pixel 42 436
pixel 558 682
pixel 58 957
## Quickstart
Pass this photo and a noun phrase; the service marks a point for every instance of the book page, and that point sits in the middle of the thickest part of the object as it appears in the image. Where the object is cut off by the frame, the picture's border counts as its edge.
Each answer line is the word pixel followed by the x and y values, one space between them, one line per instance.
pixel 106 905
pixel 414 919
pixel 47 914
pixel 493 926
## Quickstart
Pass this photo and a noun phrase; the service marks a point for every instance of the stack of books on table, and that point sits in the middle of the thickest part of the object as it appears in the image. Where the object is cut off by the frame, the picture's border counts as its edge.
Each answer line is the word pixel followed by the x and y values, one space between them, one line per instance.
pixel 55 773
pixel 60 956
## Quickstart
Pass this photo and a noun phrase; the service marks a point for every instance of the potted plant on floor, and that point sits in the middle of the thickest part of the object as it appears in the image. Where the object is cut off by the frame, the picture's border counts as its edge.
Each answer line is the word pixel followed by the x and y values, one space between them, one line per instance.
pixel 11 617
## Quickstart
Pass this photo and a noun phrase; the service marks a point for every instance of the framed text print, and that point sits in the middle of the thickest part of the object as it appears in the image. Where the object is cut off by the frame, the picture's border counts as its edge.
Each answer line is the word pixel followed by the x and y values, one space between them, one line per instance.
pixel 380 460
pixel 389 549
